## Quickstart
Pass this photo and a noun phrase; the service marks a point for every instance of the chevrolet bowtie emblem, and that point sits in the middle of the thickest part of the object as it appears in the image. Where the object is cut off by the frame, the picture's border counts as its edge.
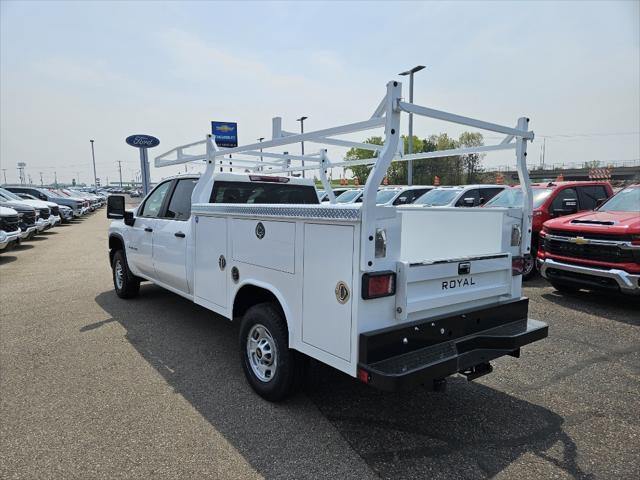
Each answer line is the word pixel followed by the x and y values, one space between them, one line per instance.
pixel 581 241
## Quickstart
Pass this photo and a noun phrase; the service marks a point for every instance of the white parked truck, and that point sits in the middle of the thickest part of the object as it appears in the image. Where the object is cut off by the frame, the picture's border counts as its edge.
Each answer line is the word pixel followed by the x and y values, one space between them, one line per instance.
pixel 395 297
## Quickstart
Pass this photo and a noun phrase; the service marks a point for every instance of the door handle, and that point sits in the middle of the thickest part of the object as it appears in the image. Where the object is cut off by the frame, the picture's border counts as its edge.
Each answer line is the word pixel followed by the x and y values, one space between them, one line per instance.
pixel 147 229
pixel 179 234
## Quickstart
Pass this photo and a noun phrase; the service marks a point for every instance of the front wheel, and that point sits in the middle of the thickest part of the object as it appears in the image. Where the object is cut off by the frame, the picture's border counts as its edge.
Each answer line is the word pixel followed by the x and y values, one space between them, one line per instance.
pixel 272 369
pixel 124 282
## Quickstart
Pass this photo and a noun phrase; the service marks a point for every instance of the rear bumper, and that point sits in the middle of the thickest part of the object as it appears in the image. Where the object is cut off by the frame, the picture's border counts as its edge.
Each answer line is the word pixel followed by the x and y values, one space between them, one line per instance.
pixel 589 277
pixel 425 352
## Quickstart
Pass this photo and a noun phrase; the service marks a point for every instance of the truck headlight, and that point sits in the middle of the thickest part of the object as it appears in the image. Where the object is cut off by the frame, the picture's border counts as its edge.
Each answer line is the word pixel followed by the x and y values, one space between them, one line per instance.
pixel 516 235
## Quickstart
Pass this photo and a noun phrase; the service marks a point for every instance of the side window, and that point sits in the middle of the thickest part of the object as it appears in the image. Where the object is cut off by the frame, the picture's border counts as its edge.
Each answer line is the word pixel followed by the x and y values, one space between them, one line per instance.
pixel 487 194
pixel 469 194
pixel 566 194
pixel 180 204
pixel 153 203
pixel 409 196
pixel 589 196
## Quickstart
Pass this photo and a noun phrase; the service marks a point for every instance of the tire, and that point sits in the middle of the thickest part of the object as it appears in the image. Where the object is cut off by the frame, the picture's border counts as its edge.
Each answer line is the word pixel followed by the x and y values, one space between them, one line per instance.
pixel 273 370
pixel 529 270
pixel 125 283
pixel 561 287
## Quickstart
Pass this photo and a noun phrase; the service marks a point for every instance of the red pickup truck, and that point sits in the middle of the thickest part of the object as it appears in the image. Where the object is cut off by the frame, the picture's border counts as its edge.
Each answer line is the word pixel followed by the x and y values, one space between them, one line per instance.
pixel 595 250
pixel 551 200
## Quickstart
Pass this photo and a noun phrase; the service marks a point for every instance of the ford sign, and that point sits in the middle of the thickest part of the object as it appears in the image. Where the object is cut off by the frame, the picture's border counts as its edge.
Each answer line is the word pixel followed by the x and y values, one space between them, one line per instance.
pixel 142 141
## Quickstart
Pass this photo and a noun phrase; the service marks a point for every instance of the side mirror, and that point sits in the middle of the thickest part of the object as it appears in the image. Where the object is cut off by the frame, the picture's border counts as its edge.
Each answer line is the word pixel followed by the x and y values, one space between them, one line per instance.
pixel 129 219
pixel 115 207
pixel 599 202
pixel 469 201
pixel 570 205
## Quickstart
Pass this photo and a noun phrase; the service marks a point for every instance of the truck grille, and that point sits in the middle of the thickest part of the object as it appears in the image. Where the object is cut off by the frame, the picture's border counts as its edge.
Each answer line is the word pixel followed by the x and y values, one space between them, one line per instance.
pixel 29 219
pixel 600 253
pixel 55 210
pixel 10 223
pixel 44 213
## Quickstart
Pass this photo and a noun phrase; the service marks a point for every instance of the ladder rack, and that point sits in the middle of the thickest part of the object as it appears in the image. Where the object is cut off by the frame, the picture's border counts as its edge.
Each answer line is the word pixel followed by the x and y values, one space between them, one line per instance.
pixel 387 114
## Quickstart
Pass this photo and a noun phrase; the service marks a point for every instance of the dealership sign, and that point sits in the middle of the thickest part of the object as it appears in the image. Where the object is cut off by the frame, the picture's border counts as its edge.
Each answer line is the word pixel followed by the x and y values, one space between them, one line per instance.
pixel 225 133
pixel 142 141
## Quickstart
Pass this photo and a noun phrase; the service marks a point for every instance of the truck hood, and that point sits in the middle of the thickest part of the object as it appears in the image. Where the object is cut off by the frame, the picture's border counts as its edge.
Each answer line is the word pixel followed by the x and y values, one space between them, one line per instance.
pixel 18 206
pixel 622 223
pixel 38 203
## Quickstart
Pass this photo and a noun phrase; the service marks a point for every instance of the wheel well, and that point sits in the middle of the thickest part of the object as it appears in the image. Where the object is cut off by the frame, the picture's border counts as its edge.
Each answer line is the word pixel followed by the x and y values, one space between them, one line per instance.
pixel 115 244
pixel 250 295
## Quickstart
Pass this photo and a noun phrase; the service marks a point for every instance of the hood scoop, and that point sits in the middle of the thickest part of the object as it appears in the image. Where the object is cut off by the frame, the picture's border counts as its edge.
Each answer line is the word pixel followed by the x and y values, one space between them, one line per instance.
pixel 593 222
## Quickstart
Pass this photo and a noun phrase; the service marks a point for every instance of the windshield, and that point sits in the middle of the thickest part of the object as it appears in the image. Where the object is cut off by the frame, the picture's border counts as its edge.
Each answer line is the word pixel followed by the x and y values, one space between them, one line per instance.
pixel 383 196
pixel 348 196
pixel 627 200
pixel 437 197
pixel 8 194
pixel 512 197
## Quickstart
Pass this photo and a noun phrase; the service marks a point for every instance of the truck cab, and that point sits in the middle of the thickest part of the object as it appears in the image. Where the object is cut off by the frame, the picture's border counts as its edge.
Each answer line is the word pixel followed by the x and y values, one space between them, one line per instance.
pixel 595 250
pixel 552 200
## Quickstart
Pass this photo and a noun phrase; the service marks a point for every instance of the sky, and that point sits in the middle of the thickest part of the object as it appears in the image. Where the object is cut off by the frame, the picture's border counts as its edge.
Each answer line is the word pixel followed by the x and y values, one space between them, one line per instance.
pixel 74 71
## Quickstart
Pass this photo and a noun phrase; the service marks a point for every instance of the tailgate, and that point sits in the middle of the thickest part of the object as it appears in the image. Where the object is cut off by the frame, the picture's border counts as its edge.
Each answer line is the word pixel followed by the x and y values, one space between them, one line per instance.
pixel 431 288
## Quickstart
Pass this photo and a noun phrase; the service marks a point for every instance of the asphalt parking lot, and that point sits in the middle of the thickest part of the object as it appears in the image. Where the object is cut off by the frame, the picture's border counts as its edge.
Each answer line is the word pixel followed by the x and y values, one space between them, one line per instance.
pixel 96 387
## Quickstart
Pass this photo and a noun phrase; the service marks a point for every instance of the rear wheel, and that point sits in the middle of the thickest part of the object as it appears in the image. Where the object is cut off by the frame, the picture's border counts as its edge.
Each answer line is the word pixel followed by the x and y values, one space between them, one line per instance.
pixel 125 283
pixel 272 369
pixel 564 288
pixel 529 266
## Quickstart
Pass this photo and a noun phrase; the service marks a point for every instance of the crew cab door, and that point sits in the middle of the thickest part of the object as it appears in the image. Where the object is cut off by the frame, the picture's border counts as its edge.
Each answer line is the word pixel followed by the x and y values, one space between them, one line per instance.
pixel 170 237
pixel 139 242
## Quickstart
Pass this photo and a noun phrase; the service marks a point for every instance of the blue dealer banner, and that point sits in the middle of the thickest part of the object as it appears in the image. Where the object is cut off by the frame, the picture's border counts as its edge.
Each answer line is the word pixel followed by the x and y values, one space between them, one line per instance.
pixel 226 134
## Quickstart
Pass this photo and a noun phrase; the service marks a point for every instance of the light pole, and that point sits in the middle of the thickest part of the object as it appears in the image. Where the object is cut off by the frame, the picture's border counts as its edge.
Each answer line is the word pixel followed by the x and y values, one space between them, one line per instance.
pixel 301 120
pixel 95 177
pixel 260 140
pixel 410 162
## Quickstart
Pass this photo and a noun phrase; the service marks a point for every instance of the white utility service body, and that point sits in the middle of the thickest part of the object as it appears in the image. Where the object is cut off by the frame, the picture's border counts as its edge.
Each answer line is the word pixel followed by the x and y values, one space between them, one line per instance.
pixel 446 285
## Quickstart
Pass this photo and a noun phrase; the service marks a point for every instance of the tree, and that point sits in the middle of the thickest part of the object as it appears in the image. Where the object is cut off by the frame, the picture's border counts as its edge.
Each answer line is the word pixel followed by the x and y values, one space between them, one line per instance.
pixel 471 162
pixel 362 171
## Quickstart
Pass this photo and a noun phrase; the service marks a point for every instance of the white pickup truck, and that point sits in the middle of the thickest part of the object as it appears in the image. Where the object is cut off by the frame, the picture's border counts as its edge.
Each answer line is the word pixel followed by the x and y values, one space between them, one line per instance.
pixel 395 297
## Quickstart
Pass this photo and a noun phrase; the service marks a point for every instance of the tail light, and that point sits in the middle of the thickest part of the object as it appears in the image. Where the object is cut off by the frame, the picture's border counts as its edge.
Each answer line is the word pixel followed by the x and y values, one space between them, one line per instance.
pixel 363 376
pixel 378 284
pixel 517 266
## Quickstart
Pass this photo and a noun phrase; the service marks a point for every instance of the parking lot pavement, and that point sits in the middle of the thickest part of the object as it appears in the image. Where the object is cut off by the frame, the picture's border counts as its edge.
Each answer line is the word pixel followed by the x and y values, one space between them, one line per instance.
pixel 96 387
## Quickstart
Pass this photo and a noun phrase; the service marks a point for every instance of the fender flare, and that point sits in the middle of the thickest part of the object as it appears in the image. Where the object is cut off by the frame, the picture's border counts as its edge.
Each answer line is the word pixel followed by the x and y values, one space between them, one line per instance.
pixel 275 292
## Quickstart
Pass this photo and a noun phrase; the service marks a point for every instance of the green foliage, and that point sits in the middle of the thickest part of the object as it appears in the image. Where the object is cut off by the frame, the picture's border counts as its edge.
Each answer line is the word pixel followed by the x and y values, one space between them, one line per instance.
pixel 362 171
pixel 453 170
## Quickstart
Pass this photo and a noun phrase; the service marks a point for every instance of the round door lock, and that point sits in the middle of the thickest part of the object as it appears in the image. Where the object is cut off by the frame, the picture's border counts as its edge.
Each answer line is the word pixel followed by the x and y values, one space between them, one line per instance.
pixel 260 231
pixel 342 292
pixel 222 262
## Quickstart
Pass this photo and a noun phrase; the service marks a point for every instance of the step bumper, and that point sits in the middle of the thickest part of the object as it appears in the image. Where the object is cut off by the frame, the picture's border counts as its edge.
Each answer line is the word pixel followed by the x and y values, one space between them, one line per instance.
pixel 437 348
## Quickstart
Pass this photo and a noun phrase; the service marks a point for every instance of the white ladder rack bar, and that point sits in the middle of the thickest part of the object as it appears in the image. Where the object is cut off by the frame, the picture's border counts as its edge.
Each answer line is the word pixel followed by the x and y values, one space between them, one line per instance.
pixel 459 119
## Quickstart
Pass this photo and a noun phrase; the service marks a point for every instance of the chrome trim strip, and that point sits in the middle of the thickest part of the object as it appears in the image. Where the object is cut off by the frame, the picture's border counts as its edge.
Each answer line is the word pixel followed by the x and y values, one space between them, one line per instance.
pixel 297 211
pixel 592 241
